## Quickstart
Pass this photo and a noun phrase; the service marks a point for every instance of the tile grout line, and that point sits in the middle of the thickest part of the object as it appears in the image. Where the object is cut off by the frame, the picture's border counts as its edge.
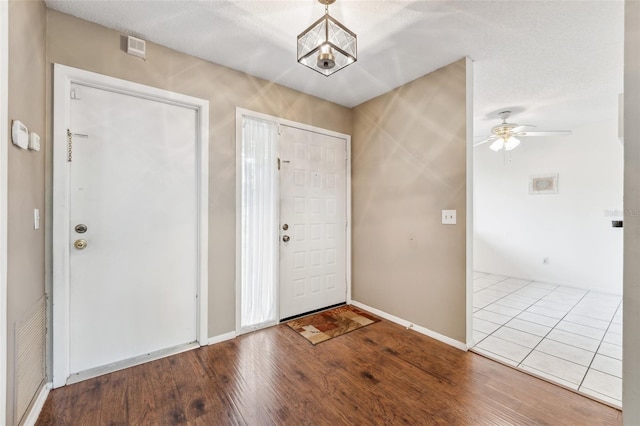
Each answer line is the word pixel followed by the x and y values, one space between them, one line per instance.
pixel 553 328
pixel 598 348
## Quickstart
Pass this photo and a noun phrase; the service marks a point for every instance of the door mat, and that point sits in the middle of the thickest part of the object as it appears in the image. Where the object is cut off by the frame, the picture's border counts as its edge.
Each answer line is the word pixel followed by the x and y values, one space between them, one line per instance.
pixel 335 322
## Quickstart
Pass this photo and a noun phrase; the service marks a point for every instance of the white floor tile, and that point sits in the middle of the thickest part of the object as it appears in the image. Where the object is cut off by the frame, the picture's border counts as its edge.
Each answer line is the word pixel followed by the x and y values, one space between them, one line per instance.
pixel 517 281
pixel 607 365
pixel 520 298
pixel 553 313
pixel 545 286
pixel 481 283
pixel 582 330
pixel 504 310
pixel 538 319
pixel 601 397
pixel 566 352
pixel 516 336
pixel 613 338
pixel 613 351
pixel 511 303
pixel 565 370
pixel 615 328
pixel 478 336
pixel 492 316
pixel 603 383
pixel 591 322
pixel 504 348
pixel 484 326
pixel 549 377
pixel 528 327
pixel 495 356
pixel 592 312
pixel 573 340
pixel 529 291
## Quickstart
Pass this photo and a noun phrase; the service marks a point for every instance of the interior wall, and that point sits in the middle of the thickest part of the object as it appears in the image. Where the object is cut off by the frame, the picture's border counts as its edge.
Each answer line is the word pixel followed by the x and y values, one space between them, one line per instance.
pixel 514 231
pixel 81 44
pixel 631 298
pixel 408 164
pixel 26 264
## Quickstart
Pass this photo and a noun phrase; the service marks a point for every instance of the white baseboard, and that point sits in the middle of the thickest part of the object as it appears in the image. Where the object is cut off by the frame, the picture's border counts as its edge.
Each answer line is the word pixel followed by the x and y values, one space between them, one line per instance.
pixel 36 408
pixel 409 325
pixel 221 338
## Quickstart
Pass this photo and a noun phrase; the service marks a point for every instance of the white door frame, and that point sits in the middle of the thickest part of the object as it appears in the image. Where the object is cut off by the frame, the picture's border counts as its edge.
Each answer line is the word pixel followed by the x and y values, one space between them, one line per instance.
pixel 63 77
pixel 240 113
pixel 4 187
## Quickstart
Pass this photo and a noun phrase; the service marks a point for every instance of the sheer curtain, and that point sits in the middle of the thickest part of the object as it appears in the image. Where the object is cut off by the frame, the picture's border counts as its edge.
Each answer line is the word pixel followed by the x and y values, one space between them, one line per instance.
pixel 259 263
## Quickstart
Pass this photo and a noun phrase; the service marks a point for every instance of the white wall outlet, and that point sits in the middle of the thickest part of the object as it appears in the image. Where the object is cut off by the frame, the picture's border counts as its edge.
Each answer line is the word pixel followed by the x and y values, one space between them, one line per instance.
pixel 448 217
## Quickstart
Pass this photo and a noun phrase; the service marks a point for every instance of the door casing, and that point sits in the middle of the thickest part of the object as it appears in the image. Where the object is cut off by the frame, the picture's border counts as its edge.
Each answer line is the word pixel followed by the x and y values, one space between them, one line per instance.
pixel 64 76
pixel 240 113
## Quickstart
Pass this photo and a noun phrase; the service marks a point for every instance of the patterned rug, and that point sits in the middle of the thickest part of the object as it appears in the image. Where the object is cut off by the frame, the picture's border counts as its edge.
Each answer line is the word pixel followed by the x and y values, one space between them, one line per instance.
pixel 335 322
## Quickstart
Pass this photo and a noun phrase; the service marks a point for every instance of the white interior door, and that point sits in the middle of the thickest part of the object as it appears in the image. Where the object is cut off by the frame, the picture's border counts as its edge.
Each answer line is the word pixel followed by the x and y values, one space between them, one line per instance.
pixel 133 184
pixel 313 221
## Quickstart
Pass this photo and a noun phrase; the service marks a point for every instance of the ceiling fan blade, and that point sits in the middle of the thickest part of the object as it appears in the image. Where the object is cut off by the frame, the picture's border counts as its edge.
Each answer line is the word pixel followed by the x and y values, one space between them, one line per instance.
pixel 521 127
pixel 489 139
pixel 547 133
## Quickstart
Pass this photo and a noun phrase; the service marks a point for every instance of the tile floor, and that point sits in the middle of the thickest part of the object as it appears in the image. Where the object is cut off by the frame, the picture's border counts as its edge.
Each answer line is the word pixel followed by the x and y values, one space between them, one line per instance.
pixel 564 334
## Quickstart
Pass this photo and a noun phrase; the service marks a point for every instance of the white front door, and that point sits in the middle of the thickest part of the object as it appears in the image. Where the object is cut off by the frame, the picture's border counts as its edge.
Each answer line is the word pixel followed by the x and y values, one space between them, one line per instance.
pixel 313 221
pixel 133 186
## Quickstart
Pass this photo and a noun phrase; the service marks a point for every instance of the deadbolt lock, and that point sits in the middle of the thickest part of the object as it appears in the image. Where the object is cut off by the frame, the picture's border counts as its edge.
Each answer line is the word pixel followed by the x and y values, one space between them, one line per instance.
pixel 286 238
pixel 80 244
pixel 81 228
pixel 285 227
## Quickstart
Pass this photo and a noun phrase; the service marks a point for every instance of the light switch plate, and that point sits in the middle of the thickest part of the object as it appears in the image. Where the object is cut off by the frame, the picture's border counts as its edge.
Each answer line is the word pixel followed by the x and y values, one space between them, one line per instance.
pixel 448 217
pixel 34 141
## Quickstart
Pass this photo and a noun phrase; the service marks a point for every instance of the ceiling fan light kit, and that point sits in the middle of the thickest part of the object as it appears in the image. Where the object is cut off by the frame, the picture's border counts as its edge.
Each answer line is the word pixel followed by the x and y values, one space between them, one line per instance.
pixel 504 134
pixel 327 46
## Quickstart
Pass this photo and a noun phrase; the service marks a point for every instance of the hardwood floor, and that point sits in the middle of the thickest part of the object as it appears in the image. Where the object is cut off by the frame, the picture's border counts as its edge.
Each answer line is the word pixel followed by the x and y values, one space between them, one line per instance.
pixel 380 374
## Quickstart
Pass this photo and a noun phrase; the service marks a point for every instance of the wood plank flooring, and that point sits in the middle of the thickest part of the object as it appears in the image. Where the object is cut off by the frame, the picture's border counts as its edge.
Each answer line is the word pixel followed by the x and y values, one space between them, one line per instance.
pixel 382 374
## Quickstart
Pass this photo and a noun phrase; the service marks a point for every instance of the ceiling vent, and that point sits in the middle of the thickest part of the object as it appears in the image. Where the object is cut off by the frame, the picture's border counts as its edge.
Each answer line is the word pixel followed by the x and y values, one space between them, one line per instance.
pixel 137 47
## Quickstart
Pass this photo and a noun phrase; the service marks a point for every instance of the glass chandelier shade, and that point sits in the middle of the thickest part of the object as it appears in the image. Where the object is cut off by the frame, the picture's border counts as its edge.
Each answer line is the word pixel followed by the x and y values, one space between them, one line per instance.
pixel 327 46
pixel 507 144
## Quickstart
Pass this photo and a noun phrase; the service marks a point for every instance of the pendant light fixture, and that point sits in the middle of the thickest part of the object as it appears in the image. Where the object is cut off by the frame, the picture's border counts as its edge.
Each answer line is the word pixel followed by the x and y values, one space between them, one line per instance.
pixel 327 46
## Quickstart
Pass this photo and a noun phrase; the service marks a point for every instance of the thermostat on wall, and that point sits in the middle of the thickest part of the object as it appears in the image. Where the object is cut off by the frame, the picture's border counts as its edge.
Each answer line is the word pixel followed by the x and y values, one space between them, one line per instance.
pixel 19 134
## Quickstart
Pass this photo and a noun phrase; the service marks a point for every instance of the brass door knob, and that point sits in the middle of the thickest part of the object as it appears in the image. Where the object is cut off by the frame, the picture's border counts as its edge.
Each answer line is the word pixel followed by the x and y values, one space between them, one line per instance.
pixel 286 238
pixel 80 244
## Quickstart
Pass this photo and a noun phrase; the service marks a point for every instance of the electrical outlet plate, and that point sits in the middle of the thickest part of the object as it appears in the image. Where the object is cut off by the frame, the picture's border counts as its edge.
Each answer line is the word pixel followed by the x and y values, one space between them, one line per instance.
pixel 448 217
pixel 34 141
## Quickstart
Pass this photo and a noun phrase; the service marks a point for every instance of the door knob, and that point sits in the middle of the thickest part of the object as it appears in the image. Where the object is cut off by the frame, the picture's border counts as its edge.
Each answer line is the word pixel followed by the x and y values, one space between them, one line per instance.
pixel 286 238
pixel 80 244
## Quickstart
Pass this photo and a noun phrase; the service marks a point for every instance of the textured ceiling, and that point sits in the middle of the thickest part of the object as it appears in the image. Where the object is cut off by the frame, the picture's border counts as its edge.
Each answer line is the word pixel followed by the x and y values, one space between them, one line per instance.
pixel 556 64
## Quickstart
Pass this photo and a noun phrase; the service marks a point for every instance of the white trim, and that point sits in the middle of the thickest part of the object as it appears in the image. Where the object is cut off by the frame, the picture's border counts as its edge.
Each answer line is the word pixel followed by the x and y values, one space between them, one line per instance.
pixel 469 221
pixel 36 408
pixel 222 338
pixel 63 77
pixel 4 188
pixel 410 326
pixel 240 113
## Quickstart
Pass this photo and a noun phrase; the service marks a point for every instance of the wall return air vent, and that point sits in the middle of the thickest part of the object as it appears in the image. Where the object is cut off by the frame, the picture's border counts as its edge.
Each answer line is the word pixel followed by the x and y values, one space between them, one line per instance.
pixel 137 47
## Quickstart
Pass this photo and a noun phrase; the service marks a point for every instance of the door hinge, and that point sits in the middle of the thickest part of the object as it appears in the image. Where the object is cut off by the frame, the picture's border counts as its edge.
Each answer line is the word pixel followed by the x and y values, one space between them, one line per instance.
pixel 278 164
pixel 69 146
pixel 74 93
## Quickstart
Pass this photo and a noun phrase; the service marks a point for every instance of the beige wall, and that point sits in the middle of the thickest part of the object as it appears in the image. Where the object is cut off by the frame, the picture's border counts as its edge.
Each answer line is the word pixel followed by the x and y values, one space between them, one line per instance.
pixel 631 287
pixel 25 271
pixel 80 44
pixel 408 164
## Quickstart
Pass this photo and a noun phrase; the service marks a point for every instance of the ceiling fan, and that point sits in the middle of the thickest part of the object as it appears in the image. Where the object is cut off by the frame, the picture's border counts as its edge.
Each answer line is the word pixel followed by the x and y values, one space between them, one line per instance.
pixel 505 135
